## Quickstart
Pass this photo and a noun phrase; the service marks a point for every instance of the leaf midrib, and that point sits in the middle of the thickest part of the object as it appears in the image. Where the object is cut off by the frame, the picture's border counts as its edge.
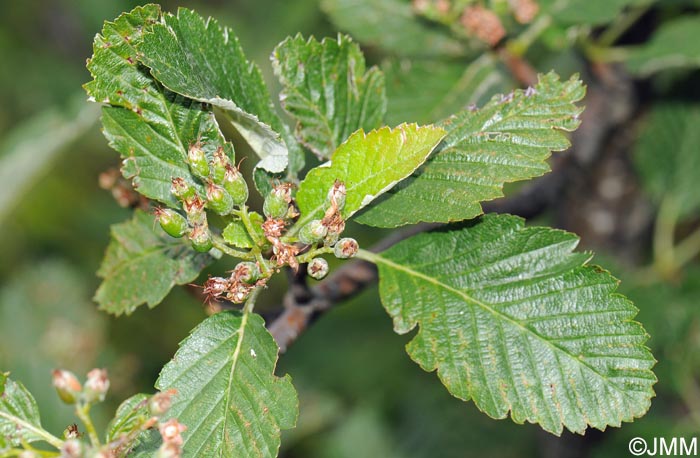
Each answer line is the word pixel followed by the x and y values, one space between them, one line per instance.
pixel 376 258
pixel 234 357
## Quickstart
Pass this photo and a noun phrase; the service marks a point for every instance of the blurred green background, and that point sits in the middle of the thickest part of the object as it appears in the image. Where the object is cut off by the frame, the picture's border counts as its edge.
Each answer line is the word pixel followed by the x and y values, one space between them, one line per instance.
pixel 361 396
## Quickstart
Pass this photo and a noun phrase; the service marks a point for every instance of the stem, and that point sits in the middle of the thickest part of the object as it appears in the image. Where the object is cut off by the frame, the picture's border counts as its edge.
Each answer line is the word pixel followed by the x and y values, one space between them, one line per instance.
pixel 686 250
pixel 83 412
pixel 15 452
pixel 220 244
pixel 248 224
pixel 598 53
pixel 308 256
pixel 621 24
pixel 522 43
pixel 663 243
pixel 367 256
pixel 250 303
pixel 45 435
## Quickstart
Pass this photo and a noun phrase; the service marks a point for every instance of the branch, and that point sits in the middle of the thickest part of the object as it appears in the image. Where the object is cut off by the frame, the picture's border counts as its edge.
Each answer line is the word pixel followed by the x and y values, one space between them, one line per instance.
pixel 608 104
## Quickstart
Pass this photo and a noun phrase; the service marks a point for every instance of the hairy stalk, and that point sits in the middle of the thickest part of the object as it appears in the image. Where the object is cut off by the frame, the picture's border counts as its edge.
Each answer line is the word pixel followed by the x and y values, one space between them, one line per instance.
pixel 83 412
pixel 247 223
pixel 220 244
pixel 663 243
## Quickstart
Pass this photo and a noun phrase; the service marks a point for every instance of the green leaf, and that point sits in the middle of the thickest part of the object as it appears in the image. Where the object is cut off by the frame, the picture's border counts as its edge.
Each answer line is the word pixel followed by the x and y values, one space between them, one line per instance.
pixel 19 414
pixel 327 90
pixel 142 264
pixel 130 415
pixel 507 140
pixel 236 234
pixel 151 127
pixel 512 318
pixel 426 90
pixel 203 61
pixel 117 78
pixel 28 151
pixel 391 25
pixel 369 164
pixel 228 396
pixel 666 155
pixel 587 12
pixel 674 45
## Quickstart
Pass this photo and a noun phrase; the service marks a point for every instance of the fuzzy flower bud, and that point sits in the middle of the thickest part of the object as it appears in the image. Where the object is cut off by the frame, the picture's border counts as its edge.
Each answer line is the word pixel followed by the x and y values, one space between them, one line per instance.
pixel 67 385
pixel 235 185
pixel 72 448
pixel 96 385
pixel 173 223
pixel 277 202
pixel 168 450
pixel 171 431
pixel 198 160
pixel 336 196
pixel 219 164
pixel 200 238
pixel 313 232
pixel 160 403
pixel 182 189
pixel 345 248
pixel 317 268
pixel 218 199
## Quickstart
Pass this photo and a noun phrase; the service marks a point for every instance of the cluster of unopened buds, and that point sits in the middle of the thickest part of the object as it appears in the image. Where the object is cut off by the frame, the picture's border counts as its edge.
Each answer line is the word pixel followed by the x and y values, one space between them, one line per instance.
pixel 150 411
pixel 71 391
pixel 483 23
pixel 277 236
pixel 225 189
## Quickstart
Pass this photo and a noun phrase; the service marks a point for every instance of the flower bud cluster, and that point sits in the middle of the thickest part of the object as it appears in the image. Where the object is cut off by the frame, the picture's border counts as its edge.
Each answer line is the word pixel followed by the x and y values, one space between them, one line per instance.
pixel 327 231
pixel 71 391
pixel 280 210
pixel 225 189
pixel 146 415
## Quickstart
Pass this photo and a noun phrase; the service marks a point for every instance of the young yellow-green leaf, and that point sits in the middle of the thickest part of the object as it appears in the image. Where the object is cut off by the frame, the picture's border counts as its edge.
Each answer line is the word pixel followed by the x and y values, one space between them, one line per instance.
pixel 203 61
pixel 512 318
pixel 673 45
pixel 142 264
pixel 19 414
pixel 236 234
pixel 393 26
pixel 507 140
pixel 151 127
pixel 227 394
pixel 369 164
pixel 667 156
pixel 327 90
pixel 130 414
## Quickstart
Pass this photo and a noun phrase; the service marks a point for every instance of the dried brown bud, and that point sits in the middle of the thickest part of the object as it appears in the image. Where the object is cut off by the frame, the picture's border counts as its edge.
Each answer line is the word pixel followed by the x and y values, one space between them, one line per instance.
pixel 346 248
pixel 483 24
pixel 286 254
pixel 273 228
pixel 216 286
pixel 72 432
